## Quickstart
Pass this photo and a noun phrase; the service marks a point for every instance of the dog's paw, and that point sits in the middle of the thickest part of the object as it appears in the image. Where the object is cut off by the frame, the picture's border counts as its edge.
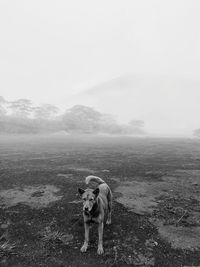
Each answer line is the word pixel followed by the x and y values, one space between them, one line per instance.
pixel 100 250
pixel 84 248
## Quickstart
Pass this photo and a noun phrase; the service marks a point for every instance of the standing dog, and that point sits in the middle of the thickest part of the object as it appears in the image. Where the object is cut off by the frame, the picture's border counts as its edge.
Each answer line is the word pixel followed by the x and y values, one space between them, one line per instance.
pixel 97 205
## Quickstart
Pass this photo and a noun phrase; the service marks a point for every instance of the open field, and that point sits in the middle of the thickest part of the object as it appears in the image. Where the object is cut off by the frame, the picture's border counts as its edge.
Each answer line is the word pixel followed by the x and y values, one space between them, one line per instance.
pixel 156 213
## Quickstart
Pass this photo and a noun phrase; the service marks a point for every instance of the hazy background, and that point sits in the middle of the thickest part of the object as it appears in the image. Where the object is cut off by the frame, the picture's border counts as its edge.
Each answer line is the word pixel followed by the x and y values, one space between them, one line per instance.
pixel 136 60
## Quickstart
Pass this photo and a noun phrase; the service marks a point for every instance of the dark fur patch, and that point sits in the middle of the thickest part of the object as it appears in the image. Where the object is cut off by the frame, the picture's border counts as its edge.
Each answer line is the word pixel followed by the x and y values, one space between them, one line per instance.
pixel 95 210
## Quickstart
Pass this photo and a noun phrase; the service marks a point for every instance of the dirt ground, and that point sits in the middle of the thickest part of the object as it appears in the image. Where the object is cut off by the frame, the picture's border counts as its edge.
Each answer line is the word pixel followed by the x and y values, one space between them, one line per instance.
pixel 156 212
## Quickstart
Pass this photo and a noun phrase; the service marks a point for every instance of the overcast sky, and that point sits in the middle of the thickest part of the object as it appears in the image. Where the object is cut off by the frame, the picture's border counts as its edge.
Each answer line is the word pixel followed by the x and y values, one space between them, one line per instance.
pixel 52 50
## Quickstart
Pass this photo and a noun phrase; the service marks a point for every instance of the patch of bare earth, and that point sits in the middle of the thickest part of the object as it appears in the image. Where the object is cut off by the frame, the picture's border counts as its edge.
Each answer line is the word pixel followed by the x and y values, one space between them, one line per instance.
pixel 172 202
pixel 33 196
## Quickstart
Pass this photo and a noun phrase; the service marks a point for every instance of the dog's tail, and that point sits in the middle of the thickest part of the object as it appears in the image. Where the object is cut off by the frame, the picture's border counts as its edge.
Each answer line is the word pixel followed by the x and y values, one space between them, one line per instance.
pixel 92 178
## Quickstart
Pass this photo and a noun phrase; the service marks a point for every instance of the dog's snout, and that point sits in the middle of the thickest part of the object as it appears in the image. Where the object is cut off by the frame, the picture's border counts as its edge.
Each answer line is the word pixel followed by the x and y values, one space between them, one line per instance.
pixel 86 208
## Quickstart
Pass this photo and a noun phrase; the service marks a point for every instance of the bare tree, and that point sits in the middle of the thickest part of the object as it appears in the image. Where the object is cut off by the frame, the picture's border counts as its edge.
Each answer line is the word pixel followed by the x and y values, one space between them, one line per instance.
pixel 82 119
pixel 45 112
pixel 21 108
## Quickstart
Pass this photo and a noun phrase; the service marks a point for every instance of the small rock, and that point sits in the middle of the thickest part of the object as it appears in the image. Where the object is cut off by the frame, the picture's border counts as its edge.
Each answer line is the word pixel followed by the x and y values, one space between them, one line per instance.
pixel 105 171
pixel 150 243
pixel 195 183
pixel 66 238
pixel 4 226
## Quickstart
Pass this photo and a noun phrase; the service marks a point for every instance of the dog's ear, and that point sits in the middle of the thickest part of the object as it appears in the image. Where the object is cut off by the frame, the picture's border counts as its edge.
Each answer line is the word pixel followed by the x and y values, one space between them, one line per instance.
pixel 81 191
pixel 96 192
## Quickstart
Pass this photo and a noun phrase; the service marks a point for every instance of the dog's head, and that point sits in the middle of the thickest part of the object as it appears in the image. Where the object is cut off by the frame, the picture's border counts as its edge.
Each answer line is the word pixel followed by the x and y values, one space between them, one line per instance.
pixel 89 197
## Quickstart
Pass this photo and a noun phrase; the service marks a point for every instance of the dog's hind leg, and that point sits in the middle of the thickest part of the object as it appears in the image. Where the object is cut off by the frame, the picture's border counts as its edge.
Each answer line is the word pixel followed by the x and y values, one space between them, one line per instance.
pixel 109 197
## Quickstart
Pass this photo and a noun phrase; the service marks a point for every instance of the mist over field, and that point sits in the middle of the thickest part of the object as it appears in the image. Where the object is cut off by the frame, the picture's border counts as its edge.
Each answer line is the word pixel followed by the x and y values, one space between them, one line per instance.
pixel 133 65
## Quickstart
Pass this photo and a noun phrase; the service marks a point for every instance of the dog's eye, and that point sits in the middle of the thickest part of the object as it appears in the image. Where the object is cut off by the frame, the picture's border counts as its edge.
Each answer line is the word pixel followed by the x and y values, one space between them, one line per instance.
pixel 84 199
pixel 91 199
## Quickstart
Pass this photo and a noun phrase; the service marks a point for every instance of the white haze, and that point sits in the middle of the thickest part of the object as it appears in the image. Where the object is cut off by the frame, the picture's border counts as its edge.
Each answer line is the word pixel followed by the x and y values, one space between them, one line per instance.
pixel 134 59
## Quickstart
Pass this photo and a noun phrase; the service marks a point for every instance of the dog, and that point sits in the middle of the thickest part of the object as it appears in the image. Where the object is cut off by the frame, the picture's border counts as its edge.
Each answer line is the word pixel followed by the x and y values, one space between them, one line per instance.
pixel 97 206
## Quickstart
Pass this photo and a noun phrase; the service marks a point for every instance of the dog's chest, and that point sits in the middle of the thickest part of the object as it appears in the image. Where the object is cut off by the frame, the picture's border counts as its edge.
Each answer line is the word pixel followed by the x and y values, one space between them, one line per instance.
pixel 93 216
pixel 91 220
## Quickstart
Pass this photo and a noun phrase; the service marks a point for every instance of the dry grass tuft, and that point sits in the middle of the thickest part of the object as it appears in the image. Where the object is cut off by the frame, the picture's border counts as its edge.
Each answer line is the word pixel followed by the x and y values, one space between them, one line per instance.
pixel 56 236
pixel 7 247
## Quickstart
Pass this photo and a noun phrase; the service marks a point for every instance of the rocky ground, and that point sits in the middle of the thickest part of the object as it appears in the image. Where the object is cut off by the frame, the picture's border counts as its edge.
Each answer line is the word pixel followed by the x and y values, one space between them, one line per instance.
pixel 156 214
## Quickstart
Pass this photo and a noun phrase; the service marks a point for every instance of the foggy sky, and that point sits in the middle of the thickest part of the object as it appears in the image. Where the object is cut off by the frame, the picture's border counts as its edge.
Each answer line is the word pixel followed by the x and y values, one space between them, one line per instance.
pixel 169 107
pixel 50 51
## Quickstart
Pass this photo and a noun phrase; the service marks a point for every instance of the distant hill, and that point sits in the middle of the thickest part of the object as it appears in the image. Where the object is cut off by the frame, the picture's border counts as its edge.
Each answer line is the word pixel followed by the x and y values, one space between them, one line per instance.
pixel 166 104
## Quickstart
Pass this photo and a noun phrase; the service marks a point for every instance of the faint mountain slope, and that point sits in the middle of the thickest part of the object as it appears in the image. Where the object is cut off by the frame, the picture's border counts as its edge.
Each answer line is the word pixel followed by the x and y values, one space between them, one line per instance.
pixel 166 104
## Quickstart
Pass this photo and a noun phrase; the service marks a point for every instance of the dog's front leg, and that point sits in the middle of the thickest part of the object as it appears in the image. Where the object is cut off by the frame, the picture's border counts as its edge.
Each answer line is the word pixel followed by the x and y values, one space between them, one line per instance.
pixel 85 245
pixel 100 243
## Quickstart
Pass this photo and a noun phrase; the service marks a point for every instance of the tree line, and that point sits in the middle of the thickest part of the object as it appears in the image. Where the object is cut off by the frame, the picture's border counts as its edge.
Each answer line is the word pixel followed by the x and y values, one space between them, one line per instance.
pixel 22 116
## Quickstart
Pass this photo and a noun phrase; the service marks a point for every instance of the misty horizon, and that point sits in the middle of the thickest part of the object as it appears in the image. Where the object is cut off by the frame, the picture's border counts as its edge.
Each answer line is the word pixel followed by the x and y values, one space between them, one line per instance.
pixel 23 117
pixel 138 60
pixel 48 118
